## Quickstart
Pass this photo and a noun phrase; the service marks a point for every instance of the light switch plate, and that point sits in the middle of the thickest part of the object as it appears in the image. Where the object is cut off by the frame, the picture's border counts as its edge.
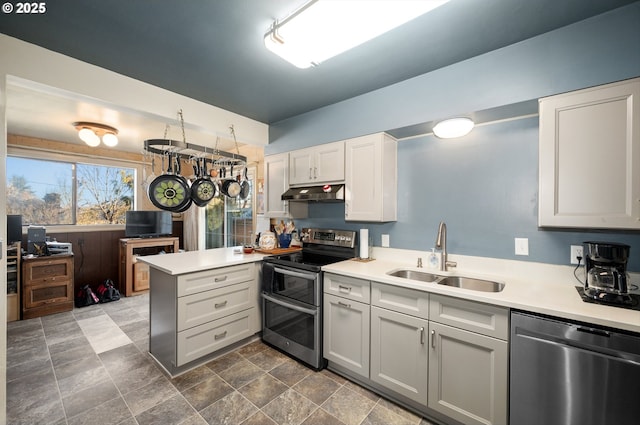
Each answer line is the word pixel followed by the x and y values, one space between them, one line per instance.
pixel 385 241
pixel 522 246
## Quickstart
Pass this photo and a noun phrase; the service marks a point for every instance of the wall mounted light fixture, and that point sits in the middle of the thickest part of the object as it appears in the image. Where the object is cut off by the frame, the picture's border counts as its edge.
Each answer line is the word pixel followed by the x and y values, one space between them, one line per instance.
pixel 454 127
pixel 321 29
pixel 91 133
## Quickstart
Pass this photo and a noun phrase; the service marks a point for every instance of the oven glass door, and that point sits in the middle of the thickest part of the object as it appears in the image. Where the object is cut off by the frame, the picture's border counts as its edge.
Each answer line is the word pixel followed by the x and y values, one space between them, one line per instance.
pixel 297 285
pixel 293 328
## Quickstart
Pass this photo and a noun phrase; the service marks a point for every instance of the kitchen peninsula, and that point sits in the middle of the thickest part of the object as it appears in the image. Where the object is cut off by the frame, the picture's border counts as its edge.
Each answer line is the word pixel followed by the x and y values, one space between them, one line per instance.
pixel 202 304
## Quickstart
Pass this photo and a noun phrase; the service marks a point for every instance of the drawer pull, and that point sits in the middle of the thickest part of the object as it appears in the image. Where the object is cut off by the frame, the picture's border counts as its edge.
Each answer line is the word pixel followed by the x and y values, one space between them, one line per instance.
pixel 346 289
pixel 220 305
pixel 344 304
pixel 220 336
pixel 220 279
pixel 421 336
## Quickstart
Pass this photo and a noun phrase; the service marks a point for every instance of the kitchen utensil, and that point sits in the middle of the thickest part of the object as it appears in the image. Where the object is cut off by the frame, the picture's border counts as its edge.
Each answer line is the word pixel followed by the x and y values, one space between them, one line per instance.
pixel 170 191
pixel 245 186
pixel 229 186
pixel 203 189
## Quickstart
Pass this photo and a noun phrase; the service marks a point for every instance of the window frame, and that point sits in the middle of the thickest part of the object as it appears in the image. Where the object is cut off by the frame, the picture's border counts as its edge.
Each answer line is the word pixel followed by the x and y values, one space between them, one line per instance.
pixel 46 155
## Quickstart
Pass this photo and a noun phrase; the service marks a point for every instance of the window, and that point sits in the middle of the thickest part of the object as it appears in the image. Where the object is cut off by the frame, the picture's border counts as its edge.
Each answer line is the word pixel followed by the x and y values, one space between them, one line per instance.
pixel 47 192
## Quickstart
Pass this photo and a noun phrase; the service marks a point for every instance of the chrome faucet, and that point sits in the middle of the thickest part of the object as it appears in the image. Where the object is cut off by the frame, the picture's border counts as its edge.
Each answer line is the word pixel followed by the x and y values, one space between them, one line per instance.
pixel 441 244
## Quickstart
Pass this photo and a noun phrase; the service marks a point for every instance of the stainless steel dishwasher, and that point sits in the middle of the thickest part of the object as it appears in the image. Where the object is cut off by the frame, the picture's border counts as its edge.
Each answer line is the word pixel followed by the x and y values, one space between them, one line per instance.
pixel 572 373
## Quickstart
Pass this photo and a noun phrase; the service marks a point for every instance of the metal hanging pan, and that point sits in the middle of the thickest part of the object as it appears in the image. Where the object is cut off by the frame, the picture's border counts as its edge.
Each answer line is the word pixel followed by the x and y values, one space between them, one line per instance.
pixel 203 189
pixel 245 187
pixel 171 191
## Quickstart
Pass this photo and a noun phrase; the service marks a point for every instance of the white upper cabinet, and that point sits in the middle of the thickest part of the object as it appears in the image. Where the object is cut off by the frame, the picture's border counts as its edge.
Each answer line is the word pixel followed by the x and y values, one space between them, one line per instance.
pixel 317 165
pixel 590 158
pixel 276 176
pixel 371 178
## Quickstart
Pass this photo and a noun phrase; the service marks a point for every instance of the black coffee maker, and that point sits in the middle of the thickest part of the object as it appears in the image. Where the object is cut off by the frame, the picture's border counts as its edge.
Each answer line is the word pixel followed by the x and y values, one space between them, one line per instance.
pixel 606 272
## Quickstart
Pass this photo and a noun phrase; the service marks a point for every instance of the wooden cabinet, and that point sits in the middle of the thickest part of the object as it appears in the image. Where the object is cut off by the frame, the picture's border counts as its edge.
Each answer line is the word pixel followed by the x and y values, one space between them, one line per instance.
pixel 276 175
pixel 317 165
pixel 134 276
pixel 468 370
pixel 47 285
pixel 13 282
pixel 371 178
pixel 589 156
pixel 346 323
pixel 195 315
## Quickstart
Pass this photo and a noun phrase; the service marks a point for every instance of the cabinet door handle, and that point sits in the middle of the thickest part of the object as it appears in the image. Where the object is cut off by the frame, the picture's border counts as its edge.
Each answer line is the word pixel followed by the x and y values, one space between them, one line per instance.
pixel 315 172
pixel 310 176
pixel 421 336
pixel 433 339
pixel 220 336
pixel 220 279
pixel 344 304
pixel 220 305
pixel 346 289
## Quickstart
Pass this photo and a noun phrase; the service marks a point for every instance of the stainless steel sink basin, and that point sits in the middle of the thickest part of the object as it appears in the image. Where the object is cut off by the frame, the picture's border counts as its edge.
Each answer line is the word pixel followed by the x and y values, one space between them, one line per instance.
pixel 471 283
pixel 415 275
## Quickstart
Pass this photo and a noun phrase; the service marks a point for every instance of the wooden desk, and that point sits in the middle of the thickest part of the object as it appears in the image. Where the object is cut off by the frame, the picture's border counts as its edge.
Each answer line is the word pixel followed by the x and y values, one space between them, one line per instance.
pixel 134 276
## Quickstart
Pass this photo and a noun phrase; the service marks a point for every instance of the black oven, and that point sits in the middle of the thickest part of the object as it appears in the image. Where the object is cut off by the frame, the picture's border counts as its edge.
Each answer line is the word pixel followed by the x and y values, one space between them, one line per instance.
pixel 292 293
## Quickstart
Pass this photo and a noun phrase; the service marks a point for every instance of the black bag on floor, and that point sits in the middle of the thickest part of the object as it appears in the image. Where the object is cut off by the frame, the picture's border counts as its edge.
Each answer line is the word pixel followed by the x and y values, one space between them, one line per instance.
pixel 107 292
pixel 86 297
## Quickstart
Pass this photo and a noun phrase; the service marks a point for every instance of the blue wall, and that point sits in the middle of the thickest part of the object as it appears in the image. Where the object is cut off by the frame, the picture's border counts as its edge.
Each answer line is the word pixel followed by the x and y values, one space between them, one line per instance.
pixel 484 185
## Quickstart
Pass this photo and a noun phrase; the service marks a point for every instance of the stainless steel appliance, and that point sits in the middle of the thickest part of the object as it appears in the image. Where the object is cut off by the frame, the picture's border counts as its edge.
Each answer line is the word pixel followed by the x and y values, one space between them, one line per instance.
pixel 606 272
pixel 292 293
pixel 566 373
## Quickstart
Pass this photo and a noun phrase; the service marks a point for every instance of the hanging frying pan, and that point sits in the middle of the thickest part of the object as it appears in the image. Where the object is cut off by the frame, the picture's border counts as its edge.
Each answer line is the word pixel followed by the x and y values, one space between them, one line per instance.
pixel 244 186
pixel 203 189
pixel 230 187
pixel 171 191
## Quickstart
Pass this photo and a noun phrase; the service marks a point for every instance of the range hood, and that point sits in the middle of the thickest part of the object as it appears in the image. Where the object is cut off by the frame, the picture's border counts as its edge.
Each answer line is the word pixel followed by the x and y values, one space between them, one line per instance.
pixel 326 193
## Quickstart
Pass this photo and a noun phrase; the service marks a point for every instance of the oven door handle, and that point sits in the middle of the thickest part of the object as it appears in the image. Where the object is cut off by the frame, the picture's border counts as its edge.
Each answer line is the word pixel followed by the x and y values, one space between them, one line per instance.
pixel 291 306
pixel 294 274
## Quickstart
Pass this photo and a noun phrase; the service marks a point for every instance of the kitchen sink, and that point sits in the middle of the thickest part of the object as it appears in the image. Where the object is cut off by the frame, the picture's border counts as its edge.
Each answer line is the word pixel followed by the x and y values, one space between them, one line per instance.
pixel 471 283
pixel 453 281
pixel 415 275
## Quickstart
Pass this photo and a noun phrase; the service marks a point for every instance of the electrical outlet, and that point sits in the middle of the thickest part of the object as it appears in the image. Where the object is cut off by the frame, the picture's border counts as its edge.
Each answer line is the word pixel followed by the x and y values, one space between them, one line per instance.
pixel 385 241
pixel 522 246
pixel 576 251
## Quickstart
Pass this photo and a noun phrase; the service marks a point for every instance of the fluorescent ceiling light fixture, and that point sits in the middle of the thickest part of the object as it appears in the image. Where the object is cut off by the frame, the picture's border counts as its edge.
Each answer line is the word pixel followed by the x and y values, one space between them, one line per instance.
pixel 322 29
pixel 91 133
pixel 452 128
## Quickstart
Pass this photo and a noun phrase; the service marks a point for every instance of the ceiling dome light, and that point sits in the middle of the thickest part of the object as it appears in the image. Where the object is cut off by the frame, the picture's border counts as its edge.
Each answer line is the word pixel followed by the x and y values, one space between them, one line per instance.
pixel 90 133
pixel 452 128
pixel 110 139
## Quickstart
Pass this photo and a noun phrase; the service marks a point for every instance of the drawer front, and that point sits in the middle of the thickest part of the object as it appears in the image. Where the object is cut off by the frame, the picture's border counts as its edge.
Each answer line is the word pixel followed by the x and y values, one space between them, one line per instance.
pixel 140 276
pixel 194 283
pixel 38 295
pixel 48 271
pixel 196 309
pixel 347 287
pixel 402 300
pixel 205 339
pixel 484 319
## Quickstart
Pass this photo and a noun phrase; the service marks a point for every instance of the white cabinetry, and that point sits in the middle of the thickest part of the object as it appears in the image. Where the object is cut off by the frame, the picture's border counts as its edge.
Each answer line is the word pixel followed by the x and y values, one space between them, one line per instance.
pixel 196 314
pixel 468 360
pixel 276 175
pixel 590 158
pixel 371 178
pixel 317 165
pixel 399 341
pixel 346 322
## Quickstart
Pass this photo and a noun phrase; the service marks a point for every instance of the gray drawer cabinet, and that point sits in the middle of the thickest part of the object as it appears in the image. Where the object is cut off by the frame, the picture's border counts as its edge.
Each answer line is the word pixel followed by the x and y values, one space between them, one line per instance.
pixel 196 314
pixel 346 323
pixel 468 360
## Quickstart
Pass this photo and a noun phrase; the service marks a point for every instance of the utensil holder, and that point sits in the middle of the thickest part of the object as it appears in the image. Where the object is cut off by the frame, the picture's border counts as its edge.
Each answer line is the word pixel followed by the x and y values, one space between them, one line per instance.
pixel 285 240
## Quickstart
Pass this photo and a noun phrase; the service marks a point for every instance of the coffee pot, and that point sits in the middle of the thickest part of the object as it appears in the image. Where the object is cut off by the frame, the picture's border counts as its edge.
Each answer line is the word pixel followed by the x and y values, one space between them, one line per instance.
pixel 606 269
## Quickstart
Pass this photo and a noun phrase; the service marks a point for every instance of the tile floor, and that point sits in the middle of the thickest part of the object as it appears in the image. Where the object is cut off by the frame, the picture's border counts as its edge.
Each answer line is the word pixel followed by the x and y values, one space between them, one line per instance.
pixel 91 366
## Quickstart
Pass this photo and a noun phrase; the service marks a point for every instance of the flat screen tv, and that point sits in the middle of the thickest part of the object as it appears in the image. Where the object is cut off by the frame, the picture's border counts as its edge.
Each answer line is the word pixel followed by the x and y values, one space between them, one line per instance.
pixel 147 224
pixel 14 228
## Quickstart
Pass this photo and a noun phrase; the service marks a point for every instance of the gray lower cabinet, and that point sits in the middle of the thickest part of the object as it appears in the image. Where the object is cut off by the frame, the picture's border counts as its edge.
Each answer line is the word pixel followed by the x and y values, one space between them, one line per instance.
pixel 468 369
pixel 346 323
pixel 194 315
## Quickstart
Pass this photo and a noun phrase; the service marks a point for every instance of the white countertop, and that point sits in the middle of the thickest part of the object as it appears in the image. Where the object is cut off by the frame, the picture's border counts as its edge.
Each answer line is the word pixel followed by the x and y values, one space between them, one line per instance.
pixel 195 261
pixel 536 287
